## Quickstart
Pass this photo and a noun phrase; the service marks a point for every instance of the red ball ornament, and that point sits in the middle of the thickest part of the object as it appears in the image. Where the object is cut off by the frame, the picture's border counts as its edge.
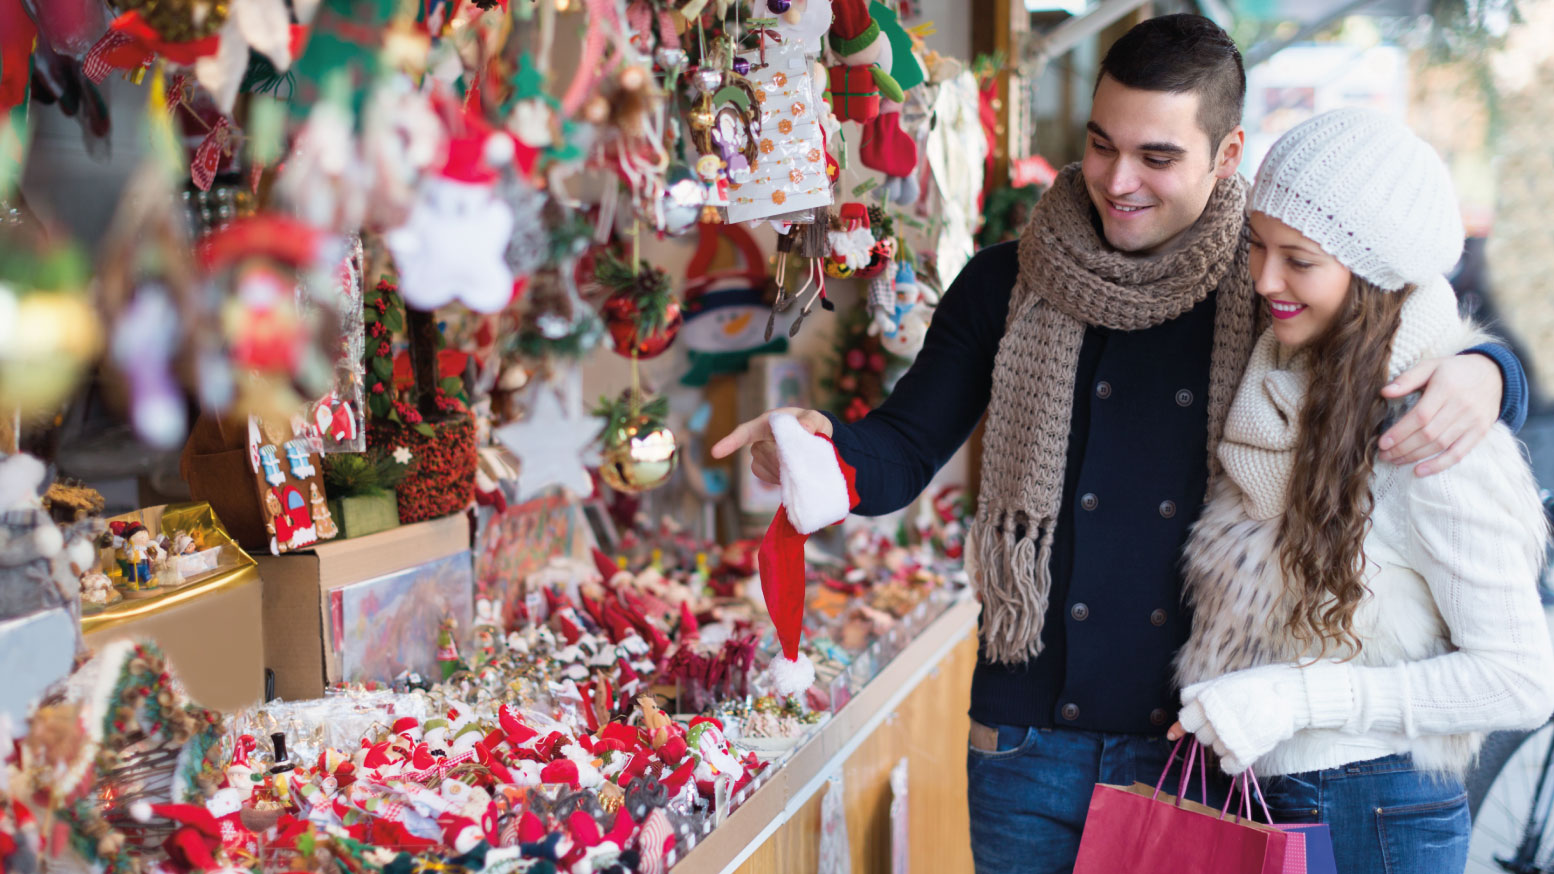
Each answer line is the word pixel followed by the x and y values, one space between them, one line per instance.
pixel 620 312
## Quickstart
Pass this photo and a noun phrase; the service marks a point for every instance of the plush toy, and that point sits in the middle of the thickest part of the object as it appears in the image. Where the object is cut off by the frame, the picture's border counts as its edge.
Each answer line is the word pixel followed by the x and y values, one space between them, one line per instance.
pixel 30 542
pixel 863 79
pixel 904 336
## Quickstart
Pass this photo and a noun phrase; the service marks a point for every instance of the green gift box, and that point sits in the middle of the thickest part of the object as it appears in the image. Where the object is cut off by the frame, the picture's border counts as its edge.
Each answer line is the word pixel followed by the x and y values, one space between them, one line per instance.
pixel 360 515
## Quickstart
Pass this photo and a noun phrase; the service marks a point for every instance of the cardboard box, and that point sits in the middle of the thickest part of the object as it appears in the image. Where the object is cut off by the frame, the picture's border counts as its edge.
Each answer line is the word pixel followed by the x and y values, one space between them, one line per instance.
pixel 206 627
pixel 207 630
pixel 300 618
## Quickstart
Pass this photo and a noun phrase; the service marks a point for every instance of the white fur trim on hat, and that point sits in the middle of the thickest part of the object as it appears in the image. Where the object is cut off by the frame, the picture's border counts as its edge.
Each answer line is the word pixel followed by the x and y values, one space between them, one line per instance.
pixel 813 487
pixel 1370 192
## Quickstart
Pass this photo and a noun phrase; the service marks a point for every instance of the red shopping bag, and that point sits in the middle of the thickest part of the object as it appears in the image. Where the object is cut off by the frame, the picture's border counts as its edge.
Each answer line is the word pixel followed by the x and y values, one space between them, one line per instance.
pixel 1136 829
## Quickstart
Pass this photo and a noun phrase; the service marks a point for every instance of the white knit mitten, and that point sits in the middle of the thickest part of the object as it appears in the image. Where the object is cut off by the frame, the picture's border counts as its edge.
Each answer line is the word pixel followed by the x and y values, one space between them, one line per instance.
pixel 1245 714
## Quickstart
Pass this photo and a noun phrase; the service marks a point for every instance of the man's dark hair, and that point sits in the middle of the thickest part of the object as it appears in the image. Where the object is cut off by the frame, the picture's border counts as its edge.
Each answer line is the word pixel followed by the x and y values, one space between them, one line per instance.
pixel 1183 54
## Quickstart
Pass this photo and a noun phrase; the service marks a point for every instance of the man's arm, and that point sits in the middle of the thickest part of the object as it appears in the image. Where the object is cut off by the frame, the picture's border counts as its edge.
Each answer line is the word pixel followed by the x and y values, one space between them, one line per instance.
pixel 1463 398
pixel 933 408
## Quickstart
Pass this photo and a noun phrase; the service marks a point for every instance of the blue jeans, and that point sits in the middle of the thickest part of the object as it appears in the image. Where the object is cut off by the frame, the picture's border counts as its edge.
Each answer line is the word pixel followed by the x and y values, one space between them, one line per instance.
pixel 1385 814
pixel 1028 798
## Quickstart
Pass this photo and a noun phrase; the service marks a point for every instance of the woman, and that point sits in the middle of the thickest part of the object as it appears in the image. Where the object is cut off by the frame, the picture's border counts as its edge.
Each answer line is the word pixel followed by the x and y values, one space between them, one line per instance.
pixel 1356 629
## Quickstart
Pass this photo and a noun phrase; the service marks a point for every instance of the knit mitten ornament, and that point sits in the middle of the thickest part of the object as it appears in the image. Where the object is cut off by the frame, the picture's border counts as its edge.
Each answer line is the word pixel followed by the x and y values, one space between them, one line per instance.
pixel 817 491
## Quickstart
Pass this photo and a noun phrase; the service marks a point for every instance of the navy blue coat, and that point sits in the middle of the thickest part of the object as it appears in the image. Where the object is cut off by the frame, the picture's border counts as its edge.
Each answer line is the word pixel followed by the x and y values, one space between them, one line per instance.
pixel 1137 471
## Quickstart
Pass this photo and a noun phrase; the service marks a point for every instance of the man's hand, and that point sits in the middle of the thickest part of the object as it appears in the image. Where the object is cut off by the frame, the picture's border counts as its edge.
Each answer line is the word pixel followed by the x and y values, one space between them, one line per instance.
pixel 1461 402
pixel 757 434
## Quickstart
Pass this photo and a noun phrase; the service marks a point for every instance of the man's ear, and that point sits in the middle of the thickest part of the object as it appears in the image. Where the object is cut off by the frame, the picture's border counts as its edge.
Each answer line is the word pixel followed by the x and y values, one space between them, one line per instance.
pixel 1228 157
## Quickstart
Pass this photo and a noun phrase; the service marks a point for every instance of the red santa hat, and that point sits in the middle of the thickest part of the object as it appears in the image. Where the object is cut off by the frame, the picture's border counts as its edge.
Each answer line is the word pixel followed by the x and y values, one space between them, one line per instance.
pixel 193 845
pixel 850 19
pixel 817 491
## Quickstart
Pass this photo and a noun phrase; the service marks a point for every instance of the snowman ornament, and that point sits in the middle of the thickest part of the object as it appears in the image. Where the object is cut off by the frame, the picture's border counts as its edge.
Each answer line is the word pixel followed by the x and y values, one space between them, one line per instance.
pixel 453 246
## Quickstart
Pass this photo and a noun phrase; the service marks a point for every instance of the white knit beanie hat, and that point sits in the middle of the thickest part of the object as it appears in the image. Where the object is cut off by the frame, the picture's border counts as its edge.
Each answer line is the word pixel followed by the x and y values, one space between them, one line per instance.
pixel 1367 190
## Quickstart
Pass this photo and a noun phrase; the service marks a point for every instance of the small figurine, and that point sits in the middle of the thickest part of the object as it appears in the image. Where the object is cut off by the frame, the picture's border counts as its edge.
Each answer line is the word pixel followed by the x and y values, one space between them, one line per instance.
pixel 489 642
pixel 447 650
pixel 136 555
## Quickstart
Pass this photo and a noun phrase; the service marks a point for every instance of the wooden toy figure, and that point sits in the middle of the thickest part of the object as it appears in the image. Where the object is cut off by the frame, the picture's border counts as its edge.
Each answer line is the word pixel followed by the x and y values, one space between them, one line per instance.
pixel 136 557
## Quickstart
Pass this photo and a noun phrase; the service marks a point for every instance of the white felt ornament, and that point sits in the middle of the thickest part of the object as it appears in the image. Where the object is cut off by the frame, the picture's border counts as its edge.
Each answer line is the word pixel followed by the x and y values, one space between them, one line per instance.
pixel 454 244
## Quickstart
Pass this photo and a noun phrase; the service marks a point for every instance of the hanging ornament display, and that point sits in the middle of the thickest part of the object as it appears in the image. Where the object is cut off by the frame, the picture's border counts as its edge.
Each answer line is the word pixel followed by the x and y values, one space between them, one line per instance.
pixel 639 451
pixel 641 313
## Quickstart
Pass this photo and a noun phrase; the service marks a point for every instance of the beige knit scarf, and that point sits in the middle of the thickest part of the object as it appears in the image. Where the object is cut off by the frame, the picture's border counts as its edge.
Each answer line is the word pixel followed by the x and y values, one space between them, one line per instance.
pixel 1069 279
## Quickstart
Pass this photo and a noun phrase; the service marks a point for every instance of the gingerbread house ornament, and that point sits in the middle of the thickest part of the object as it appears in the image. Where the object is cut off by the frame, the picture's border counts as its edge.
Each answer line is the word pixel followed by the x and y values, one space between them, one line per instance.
pixel 288 475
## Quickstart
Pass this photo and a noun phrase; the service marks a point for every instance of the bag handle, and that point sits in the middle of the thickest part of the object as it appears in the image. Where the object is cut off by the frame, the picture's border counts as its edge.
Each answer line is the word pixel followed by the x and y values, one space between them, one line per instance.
pixel 1183 784
pixel 1247 782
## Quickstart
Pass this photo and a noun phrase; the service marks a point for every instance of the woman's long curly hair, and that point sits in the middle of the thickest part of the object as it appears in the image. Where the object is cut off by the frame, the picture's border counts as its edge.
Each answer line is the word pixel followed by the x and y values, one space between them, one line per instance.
pixel 1323 535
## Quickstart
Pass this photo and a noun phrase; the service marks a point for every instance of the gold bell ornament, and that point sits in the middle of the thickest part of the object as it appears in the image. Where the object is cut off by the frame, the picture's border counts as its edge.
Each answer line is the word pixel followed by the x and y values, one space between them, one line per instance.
pixel 639 450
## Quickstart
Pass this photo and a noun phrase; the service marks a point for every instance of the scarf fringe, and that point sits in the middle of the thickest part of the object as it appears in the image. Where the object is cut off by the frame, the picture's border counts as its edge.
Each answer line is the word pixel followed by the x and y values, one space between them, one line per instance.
pixel 1013 579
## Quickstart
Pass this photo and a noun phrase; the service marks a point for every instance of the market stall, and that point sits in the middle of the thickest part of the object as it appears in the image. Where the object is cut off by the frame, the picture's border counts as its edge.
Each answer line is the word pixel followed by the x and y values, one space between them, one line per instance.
pixel 413 324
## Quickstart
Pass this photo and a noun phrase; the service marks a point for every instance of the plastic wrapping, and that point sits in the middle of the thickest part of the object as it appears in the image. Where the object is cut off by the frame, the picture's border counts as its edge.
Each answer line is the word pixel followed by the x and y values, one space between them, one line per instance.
pixel 789 173
pixel 339 414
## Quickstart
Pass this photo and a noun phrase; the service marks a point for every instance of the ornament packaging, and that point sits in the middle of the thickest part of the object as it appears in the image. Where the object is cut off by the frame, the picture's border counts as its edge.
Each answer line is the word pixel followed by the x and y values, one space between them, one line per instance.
pixel 789 173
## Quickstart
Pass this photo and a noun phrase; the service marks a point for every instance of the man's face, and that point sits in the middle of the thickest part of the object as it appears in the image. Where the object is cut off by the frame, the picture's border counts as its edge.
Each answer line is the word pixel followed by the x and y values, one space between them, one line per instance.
pixel 1149 167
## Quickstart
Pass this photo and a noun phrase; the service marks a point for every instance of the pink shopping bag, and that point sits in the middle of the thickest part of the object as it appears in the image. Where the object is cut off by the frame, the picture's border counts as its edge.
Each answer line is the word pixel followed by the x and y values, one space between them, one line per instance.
pixel 1137 830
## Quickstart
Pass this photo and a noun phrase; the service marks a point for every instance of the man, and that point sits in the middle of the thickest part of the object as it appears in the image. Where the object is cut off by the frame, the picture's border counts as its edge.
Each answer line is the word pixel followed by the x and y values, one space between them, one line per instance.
pixel 1105 348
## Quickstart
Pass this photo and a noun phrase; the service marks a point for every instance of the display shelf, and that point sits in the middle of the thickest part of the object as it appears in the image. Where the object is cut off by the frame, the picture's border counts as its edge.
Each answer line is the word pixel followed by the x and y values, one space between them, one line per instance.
pixel 795 781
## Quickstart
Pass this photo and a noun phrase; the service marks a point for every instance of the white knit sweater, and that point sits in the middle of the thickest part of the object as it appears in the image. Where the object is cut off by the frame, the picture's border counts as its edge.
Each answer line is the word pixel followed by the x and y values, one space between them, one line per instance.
pixel 1454 639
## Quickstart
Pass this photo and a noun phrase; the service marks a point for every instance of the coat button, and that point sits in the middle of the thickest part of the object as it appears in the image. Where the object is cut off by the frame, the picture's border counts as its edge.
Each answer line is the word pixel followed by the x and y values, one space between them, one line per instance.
pixel 1080 612
pixel 1158 618
pixel 1157 717
pixel 1167 509
pixel 1070 712
pixel 1103 390
pixel 1089 501
pixel 1184 398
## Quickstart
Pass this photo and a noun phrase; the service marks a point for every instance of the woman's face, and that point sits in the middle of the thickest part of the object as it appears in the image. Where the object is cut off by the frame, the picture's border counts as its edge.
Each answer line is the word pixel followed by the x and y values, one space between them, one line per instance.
pixel 1304 287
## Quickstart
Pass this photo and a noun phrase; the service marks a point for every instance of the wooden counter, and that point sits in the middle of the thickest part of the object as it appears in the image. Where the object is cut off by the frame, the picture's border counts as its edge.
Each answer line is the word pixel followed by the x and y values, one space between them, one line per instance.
pixel 914 709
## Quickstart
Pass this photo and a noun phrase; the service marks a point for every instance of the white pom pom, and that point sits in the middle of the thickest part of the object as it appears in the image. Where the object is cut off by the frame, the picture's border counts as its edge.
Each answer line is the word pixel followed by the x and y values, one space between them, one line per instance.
pixel 140 811
pixel 791 676
pixel 499 150
pixel 47 540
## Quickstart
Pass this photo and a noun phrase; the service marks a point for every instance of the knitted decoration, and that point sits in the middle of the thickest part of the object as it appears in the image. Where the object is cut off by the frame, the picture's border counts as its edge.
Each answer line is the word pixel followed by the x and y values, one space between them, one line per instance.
pixel 1070 278
pixel 1368 191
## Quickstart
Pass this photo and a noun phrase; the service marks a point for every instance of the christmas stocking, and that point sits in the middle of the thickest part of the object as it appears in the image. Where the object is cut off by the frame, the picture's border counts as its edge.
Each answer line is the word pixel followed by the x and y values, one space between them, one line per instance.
pixel 886 147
